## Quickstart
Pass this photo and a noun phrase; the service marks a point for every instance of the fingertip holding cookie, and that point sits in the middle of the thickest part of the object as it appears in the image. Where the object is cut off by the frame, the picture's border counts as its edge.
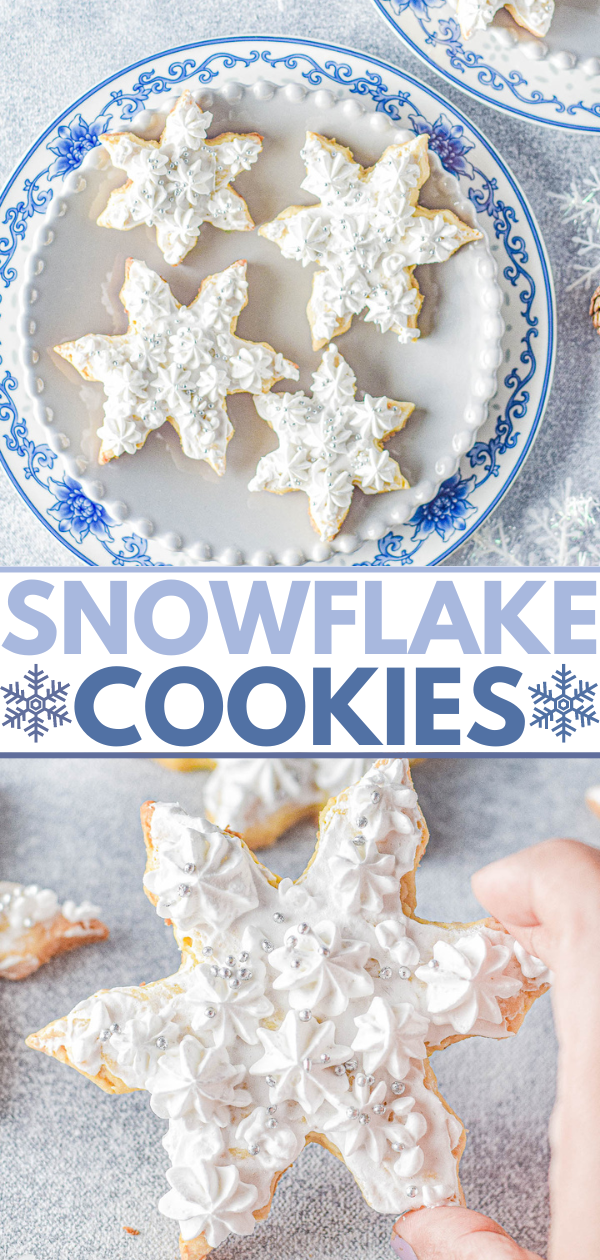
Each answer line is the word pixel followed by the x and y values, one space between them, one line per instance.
pixel 402 1248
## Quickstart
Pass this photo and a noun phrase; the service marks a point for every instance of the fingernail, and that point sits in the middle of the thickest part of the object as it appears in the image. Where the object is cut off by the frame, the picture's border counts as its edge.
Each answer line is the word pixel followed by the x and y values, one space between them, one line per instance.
pixel 402 1248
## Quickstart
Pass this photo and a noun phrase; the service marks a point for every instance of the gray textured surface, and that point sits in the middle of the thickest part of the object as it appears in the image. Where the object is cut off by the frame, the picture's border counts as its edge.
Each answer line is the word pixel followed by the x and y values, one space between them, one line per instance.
pixel 52 52
pixel 76 1165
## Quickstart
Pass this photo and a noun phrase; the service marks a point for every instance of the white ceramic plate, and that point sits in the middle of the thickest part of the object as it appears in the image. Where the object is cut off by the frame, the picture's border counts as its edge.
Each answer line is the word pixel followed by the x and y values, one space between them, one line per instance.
pixel 555 80
pixel 63 274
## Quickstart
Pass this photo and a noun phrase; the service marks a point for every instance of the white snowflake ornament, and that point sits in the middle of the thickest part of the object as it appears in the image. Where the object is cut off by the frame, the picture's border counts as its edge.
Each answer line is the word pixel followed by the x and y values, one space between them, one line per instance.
pixel 329 443
pixel 181 181
pixel 366 234
pixel 476 15
pixel 176 363
pixel 244 1089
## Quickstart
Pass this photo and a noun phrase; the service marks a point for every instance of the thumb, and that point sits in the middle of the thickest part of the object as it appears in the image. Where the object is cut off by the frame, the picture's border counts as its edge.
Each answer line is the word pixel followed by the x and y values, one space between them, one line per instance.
pixel 453 1233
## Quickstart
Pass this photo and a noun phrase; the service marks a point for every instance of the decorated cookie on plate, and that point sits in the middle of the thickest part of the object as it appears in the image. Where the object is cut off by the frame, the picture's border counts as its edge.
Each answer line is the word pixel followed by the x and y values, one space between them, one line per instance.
pixel 34 927
pixel 476 15
pixel 176 363
pixel 329 443
pixel 302 1012
pixel 181 181
pixel 366 235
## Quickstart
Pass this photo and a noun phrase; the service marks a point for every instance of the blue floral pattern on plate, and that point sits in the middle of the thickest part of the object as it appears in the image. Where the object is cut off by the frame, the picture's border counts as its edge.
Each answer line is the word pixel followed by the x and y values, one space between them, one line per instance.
pixel 458 505
pixel 572 103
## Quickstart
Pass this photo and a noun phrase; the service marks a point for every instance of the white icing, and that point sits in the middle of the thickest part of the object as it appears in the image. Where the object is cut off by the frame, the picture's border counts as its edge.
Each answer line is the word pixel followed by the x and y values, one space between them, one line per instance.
pixel 23 907
pixel 209 1200
pixel 533 968
pixel 181 181
pixel 465 980
pixel 390 1036
pixel 333 774
pixel 205 878
pixel 329 443
pixel 245 792
pixel 194 1078
pixel 476 15
pixel 321 971
pixel 288 1051
pixel 301 1057
pixel 367 233
pixel 176 363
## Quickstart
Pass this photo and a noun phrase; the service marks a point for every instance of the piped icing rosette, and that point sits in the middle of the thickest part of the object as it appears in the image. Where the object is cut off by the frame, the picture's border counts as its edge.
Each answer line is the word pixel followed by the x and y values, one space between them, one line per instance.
pixel 301 1011
pixel 329 443
pixel 366 235
pixel 181 181
pixel 176 363
pixel 476 15
pixel 34 927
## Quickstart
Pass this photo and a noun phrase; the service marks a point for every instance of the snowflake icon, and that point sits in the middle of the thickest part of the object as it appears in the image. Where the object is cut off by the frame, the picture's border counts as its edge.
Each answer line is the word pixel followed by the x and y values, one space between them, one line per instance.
pixel 37 709
pixel 570 705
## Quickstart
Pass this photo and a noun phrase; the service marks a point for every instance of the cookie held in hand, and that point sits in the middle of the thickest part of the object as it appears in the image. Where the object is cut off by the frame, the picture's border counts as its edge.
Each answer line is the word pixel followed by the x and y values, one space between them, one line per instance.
pixel 302 1012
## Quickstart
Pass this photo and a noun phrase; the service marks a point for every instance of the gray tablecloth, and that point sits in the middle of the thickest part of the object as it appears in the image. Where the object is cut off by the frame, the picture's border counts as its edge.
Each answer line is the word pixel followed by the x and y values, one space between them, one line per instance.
pixel 51 52
pixel 76 1165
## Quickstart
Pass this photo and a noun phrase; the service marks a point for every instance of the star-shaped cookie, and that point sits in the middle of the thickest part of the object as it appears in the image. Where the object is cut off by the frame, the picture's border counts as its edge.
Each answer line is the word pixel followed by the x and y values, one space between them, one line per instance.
pixel 302 1012
pixel 476 15
pixel 367 235
pixel 329 443
pixel 34 927
pixel 181 181
pixel 176 363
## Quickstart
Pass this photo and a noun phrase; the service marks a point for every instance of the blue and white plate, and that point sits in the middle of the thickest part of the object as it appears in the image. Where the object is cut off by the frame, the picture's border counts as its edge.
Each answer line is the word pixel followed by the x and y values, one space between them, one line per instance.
pixel 555 80
pixel 467 442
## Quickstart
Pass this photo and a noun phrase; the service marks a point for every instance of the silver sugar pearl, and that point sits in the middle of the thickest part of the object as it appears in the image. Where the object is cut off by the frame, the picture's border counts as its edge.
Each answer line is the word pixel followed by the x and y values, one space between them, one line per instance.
pixel 358 840
pixel 404 973
pixel 230 960
pixel 104 1035
pixel 189 868
pixel 370 1080
pixel 272 1110
pixel 362 821
pixel 114 1028
pixel 398 1087
pixel 324 1058
pixel 305 1015
pixel 303 927
pixel 271 1082
pixel 272 1123
pixel 244 956
pixel 412 1191
pixel 361 1079
pixel 234 983
pixel 434 964
pixel 210 1012
pixel 385 973
pixel 351 1065
pixel 376 797
pixel 214 971
pixel 295 963
pixel 324 951
pixel 266 945
pixel 397 1146
pixel 340 1070
pixel 363 1119
pixel 207 951
pixel 161 1043
pixel 307 1064
pixel 379 1109
pixel 225 972
pixel 351 1112
pixel 254 1149
pixel 278 917
pixel 184 890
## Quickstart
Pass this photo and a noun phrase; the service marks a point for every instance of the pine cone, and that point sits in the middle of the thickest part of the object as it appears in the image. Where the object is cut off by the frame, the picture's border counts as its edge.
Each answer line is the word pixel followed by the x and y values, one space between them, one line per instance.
pixel 595 309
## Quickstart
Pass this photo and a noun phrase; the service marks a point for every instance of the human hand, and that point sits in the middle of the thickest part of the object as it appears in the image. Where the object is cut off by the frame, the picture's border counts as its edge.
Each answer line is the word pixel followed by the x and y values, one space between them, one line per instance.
pixel 548 898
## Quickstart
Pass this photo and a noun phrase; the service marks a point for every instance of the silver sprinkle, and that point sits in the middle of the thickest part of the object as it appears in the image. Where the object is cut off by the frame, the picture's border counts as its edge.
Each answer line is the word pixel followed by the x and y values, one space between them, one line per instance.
pixel 412 1191
pixel 351 1065
pixel 361 1079
pixel 189 868
pixel 307 1064
pixel 398 1087
pixel 370 1080
pixel 303 927
pixel 295 963
pixel 266 945
pixel 376 797
pixel 161 1043
pixel 210 1012
pixel 272 1123
pixel 404 973
pixel 114 1028
pixel 184 890
pixel 385 973
pixel 254 1149
pixel 305 1016
pixel 325 1058
pixel 244 956
pixel 363 1119
pixel 278 917
pixel 207 951
pixel 271 1082
pixel 362 821
pixel 272 1110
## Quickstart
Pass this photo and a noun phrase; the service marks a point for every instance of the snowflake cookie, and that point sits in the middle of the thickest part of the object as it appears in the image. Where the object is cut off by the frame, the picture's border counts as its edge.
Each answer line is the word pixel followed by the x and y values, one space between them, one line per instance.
pixel 367 234
pixel 34 927
pixel 302 1012
pixel 181 181
pixel 329 443
pixel 176 363
pixel 261 797
pixel 476 15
